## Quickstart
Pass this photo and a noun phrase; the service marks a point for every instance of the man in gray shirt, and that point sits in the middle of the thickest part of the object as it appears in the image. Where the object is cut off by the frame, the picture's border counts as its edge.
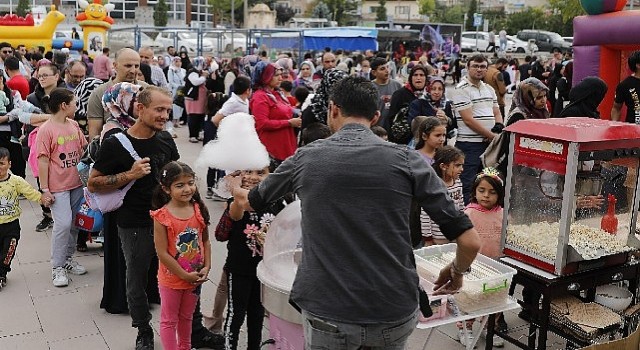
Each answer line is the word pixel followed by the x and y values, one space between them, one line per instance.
pixel 386 87
pixel 356 283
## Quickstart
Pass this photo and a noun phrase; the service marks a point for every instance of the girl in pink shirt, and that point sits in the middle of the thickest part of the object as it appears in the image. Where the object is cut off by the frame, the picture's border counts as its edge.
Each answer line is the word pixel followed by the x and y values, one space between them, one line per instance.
pixel 182 243
pixel 60 143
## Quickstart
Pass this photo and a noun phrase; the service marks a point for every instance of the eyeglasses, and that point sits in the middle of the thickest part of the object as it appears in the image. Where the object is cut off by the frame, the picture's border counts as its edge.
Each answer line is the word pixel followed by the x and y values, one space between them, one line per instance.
pixel 479 66
pixel 44 76
pixel 7 52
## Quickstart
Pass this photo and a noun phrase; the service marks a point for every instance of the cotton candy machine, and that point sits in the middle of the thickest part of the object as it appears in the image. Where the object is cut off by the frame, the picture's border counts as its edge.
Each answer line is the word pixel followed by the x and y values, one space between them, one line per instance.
pixel 282 253
pixel 571 194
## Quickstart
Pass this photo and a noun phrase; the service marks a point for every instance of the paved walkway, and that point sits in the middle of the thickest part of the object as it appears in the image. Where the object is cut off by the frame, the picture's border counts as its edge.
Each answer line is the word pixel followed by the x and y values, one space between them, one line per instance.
pixel 35 315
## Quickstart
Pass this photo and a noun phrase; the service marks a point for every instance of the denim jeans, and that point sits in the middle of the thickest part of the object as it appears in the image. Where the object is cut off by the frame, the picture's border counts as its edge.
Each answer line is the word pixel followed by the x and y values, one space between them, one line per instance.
pixel 139 250
pixel 330 335
pixel 472 165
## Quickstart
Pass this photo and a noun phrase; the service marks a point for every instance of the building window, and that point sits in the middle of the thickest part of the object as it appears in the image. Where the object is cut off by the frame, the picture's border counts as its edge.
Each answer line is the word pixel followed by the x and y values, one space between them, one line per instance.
pixel 402 10
pixel 373 9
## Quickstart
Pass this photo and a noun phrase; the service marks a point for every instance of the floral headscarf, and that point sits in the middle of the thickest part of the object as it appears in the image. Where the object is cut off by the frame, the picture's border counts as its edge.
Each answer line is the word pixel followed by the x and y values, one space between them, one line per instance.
pixel 320 102
pixel 82 93
pixel 525 99
pixel 118 100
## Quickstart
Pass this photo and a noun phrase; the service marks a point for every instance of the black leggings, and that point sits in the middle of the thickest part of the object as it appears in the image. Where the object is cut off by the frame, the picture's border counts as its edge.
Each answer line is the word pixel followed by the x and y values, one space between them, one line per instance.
pixel 244 299
pixel 196 122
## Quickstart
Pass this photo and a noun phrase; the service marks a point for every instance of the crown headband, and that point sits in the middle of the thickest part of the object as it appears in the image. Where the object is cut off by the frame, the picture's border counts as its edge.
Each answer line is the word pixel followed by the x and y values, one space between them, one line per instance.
pixel 492 173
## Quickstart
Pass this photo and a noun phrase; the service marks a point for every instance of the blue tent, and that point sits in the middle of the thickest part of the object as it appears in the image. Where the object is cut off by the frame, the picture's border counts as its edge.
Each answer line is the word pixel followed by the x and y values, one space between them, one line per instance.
pixel 346 38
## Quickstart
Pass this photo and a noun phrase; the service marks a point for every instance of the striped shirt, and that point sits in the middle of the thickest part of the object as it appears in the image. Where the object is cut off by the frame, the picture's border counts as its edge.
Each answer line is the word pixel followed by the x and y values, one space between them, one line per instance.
pixel 428 226
pixel 481 99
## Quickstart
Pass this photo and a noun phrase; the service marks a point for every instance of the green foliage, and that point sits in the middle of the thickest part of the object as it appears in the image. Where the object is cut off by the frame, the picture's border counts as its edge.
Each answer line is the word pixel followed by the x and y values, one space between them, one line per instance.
pixel 321 10
pixel 537 18
pixel 284 14
pixel 567 9
pixel 160 17
pixel 222 8
pixel 381 10
pixel 473 8
pixel 23 8
pixel 426 7
pixel 445 14
pixel 339 9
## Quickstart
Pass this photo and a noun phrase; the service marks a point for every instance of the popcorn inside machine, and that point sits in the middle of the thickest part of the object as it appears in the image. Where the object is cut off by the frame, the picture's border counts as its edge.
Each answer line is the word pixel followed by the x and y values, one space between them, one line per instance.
pixel 571 194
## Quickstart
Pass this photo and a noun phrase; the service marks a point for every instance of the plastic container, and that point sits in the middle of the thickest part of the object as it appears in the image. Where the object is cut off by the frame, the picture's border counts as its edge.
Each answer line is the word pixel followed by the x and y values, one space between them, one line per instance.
pixel 614 297
pixel 487 286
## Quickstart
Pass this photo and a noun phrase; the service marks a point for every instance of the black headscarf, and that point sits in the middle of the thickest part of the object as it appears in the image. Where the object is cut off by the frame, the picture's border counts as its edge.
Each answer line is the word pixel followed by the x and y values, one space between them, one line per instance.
pixel 585 98
pixel 320 101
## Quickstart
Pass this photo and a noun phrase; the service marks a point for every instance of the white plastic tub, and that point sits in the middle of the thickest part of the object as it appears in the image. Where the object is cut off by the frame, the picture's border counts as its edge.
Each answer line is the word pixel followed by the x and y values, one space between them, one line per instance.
pixel 485 287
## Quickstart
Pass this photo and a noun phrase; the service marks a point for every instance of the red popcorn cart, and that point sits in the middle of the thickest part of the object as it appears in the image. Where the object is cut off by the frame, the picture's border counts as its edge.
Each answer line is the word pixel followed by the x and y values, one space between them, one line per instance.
pixel 571 194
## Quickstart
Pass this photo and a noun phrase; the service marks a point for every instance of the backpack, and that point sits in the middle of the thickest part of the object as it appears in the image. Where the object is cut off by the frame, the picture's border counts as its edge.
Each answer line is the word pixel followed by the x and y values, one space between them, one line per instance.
pixel 400 128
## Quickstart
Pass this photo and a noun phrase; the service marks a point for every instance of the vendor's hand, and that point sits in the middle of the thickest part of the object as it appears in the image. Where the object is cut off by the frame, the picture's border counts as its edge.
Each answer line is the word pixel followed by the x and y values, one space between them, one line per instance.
pixel 590 202
pixel 141 168
pixel 447 282
pixel 295 122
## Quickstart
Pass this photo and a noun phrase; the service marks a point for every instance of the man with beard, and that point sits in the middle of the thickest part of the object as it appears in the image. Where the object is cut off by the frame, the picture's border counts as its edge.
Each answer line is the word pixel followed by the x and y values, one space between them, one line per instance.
pixel 113 169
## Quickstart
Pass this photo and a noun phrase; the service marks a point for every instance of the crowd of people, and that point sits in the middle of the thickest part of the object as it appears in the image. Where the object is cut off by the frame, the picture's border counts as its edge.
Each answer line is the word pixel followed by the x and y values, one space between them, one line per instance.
pixel 120 115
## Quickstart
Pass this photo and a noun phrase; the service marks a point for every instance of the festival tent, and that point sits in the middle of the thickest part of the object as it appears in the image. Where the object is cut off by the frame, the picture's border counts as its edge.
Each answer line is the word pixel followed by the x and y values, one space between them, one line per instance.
pixel 346 38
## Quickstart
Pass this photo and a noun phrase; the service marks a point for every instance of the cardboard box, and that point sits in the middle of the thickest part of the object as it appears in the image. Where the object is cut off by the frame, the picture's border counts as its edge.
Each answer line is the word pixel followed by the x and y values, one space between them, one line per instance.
pixel 632 342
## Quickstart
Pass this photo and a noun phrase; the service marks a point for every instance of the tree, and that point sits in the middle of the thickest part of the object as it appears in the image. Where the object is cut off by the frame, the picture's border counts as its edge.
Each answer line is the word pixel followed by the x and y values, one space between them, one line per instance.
pixel 321 10
pixel 160 17
pixel 473 8
pixel 445 14
pixel 568 9
pixel 23 8
pixel 426 7
pixel 284 14
pixel 530 18
pixel 381 11
pixel 221 8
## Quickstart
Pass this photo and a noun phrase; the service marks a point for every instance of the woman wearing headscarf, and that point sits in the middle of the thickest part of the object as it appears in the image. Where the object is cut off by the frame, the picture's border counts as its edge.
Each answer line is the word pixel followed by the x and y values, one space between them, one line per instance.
pixel 317 112
pixel 434 103
pixel 564 87
pixel 585 98
pixel 412 90
pixel 195 99
pixel 186 61
pixel 275 118
pixel 305 76
pixel 231 72
pixel 118 100
pixel 175 79
pixel 287 68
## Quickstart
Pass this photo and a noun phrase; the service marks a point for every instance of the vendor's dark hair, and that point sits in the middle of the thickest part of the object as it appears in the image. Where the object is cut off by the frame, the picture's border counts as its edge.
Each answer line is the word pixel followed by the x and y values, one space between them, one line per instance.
pixel 445 155
pixel 355 96
pixel 634 60
pixel 168 175
pixel 426 127
pixel 495 183
pixel 57 97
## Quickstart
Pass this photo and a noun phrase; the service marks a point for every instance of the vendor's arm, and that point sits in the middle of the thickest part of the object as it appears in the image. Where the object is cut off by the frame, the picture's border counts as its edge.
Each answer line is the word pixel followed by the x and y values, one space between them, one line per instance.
pixel 274 187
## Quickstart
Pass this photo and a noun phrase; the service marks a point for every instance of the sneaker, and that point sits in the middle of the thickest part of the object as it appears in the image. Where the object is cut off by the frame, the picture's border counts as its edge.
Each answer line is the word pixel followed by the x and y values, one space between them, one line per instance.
pixel 3 282
pixel 209 194
pixel 59 276
pixel 465 338
pixel 218 198
pixel 193 140
pixel 144 340
pixel 46 223
pixel 74 267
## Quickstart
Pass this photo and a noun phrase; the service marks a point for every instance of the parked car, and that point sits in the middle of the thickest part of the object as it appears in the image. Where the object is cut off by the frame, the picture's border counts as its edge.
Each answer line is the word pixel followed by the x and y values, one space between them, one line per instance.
pixel 120 39
pixel 468 41
pixel 546 41
pixel 516 45
pixel 225 41
pixel 568 39
pixel 184 40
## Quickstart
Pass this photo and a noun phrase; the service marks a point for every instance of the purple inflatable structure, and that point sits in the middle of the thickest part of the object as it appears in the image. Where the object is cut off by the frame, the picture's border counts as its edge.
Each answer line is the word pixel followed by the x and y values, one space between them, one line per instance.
pixel 601 45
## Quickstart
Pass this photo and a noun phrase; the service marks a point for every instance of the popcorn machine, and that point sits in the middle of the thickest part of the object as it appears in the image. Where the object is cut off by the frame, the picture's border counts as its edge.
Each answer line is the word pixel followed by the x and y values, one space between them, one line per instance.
pixel 571 194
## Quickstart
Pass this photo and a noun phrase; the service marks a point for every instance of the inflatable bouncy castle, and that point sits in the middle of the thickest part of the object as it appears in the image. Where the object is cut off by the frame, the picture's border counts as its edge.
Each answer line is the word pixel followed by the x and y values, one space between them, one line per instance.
pixel 602 43
pixel 23 31
pixel 95 23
